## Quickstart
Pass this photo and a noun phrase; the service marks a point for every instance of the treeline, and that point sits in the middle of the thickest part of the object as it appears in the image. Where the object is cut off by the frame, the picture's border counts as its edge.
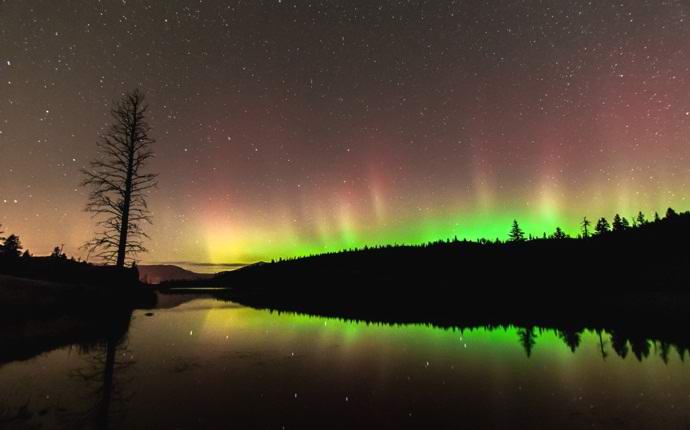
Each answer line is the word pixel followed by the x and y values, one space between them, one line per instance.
pixel 640 256
pixel 11 247
pixel 58 267
pixel 601 228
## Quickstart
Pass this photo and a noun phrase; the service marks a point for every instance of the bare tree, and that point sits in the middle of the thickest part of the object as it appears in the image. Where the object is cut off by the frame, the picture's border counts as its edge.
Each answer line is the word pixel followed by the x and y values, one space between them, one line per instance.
pixel 119 185
pixel 585 227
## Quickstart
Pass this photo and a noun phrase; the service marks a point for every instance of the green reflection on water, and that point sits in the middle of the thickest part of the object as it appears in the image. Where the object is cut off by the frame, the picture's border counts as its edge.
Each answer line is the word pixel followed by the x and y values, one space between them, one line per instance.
pixel 218 319
pixel 205 358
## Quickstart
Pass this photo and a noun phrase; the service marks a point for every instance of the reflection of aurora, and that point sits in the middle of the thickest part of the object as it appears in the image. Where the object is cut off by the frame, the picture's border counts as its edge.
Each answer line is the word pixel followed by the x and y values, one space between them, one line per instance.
pixel 220 363
pixel 494 340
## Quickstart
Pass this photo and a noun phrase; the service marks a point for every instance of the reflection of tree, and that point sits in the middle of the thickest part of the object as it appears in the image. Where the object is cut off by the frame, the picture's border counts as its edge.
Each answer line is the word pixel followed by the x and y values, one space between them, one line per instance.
pixel 681 352
pixel 527 339
pixel 105 380
pixel 622 344
pixel 619 339
pixel 640 347
pixel 104 377
pixel 602 345
pixel 570 337
pixel 619 344
pixel 664 349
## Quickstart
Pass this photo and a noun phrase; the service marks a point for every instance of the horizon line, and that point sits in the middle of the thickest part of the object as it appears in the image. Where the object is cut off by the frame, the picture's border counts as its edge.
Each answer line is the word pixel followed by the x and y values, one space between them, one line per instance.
pixel 195 263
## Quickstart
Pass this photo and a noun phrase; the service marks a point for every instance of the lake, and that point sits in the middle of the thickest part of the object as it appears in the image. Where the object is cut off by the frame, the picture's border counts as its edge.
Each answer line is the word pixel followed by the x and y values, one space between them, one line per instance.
pixel 211 364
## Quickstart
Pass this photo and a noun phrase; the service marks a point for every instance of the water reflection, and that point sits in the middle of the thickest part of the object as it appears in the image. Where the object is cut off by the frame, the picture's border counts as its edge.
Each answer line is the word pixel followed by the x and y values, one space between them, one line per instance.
pixel 105 382
pixel 97 342
pixel 210 364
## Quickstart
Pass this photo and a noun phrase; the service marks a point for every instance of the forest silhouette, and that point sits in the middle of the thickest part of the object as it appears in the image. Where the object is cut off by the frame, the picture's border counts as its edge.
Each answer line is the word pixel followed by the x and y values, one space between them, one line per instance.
pixel 621 256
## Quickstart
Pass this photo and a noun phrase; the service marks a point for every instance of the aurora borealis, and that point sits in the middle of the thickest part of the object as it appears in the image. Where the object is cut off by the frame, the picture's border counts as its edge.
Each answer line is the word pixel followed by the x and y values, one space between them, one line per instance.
pixel 291 127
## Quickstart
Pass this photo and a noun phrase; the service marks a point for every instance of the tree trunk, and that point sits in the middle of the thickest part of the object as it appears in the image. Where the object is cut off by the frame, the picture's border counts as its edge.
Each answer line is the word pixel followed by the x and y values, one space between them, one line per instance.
pixel 127 198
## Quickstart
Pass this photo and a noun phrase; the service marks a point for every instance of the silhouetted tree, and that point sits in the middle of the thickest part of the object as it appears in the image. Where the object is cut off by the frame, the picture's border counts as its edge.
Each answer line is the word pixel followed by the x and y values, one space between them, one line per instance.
pixel 602 226
pixel 585 227
pixel 11 247
pixel 656 217
pixel 516 233
pixel 559 234
pixel 57 253
pixel 670 213
pixel 118 183
pixel 640 219
pixel 617 224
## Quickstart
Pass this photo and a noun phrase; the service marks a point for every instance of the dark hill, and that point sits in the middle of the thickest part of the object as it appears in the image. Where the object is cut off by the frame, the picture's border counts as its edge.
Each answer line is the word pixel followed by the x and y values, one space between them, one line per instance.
pixel 654 256
pixel 67 271
pixel 157 273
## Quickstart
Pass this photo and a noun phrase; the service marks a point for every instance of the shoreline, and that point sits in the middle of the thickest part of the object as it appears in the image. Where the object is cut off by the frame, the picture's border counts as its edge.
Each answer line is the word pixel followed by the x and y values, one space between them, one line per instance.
pixel 24 297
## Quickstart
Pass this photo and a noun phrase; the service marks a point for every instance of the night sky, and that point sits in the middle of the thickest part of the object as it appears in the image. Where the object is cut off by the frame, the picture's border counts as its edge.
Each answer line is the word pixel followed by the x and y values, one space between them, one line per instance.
pixel 285 128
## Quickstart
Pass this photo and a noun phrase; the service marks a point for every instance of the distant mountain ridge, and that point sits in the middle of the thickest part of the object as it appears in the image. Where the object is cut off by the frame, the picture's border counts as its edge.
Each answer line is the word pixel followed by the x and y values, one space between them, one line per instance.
pixel 157 273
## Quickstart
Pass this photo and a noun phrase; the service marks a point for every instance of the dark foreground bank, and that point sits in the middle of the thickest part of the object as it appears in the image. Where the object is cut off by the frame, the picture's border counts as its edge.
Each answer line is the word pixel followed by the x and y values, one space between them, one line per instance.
pixel 22 298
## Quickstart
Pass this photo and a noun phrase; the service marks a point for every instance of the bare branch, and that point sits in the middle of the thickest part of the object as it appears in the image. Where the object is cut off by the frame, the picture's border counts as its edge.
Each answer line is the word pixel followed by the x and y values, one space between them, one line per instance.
pixel 118 183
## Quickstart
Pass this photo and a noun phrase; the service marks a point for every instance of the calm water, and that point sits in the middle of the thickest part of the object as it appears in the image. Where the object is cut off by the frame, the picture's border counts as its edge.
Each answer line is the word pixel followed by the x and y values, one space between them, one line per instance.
pixel 211 364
